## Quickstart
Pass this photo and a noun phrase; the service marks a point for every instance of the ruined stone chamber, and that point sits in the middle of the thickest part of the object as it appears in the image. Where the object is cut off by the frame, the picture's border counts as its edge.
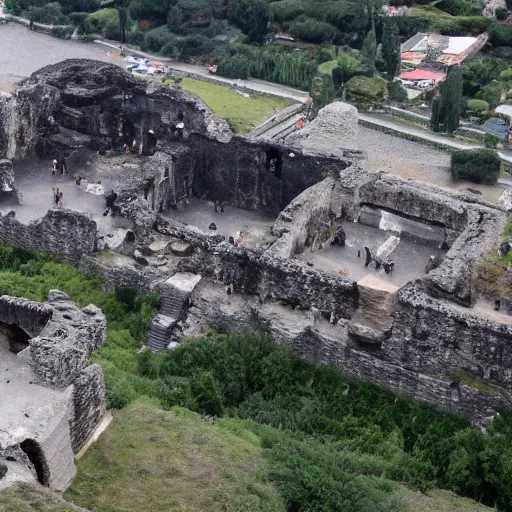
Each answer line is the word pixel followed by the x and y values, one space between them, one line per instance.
pixel 305 211
pixel 51 398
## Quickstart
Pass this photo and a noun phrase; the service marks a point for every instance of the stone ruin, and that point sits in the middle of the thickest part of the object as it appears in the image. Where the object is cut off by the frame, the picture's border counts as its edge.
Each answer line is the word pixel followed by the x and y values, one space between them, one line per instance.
pixel 56 399
pixel 421 335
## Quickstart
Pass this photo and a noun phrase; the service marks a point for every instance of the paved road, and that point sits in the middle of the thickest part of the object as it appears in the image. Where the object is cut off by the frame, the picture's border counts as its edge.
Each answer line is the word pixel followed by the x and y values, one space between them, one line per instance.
pixel 416 132
pixel 252 84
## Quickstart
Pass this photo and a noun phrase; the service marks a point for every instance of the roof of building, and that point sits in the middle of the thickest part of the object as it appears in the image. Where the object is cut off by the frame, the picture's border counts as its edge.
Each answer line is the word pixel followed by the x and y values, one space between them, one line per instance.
pixel 413 42
pixel 506 110
pixel 423 74
pixel 457 45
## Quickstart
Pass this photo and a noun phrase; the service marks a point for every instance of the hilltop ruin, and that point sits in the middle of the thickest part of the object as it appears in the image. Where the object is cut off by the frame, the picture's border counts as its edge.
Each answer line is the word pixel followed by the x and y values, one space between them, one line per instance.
pixel 415 332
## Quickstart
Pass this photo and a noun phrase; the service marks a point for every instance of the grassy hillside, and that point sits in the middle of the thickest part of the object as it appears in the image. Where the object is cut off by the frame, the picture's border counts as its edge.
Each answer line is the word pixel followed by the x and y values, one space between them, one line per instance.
pixel 31 498
pixel 242 114
pixel 150 460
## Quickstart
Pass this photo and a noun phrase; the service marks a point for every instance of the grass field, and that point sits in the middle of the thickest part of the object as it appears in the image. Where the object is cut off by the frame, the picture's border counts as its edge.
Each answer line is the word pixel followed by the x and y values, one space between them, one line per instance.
pixel 150 460
pixel 242 114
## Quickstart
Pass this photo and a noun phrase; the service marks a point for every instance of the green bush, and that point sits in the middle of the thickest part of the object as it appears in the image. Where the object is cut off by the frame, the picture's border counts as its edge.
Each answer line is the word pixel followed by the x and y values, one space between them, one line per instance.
pixel 480 72
pixel 396 91
pixel 153 11
pixel 170 50
pixel 491 93
pixel 187 14
pixel 63 32
pixel 460 7
pixel 313 31
pixel 491 140
pixel 251 16
pixel 477 105
pixel 69 6
pixel 479 166
pixel 235 66
pixel 13 7
pixel 105 22
pixel 156 39
pixel 366 90
pixel 501 14
pixel 49 14
pixel 506 75
pixel 193 46
pixel 500 35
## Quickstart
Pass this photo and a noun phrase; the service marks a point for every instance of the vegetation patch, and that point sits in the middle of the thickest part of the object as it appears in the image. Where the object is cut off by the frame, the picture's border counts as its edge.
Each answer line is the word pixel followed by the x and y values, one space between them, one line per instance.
pixel 150 459
pixel 32 498
pixel 242 114
pixel 479 165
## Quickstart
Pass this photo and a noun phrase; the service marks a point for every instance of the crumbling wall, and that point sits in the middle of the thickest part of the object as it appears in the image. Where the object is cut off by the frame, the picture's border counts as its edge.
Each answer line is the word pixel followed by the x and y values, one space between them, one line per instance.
pixel 63 232
pixel 86 102
pixel 292 282
pixel 31 316
pixel 438 337
pixel 303 220
pixel 89 405
pixel 253 174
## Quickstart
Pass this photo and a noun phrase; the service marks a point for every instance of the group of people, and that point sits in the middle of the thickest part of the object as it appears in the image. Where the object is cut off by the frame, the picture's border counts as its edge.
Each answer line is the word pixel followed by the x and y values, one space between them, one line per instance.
pixel 339 239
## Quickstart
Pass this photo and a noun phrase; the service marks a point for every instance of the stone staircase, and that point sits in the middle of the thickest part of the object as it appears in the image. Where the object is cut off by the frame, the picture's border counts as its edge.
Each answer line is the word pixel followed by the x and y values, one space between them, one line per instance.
pixel 175 293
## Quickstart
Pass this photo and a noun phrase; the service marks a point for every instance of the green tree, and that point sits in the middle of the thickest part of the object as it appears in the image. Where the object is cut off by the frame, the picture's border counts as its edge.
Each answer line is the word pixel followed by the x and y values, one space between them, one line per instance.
pixel 369 51
pixel 391 47
pixel 251 16
pixel 446 109
pixel 122 9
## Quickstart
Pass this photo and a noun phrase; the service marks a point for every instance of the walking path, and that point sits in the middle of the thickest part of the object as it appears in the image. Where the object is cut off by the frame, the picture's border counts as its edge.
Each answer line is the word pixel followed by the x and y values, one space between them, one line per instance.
pixel 252 84
pixel 414 133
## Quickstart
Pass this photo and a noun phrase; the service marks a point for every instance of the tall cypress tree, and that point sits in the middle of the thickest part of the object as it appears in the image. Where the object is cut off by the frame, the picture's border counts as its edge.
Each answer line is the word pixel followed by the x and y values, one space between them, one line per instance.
pixel 453 102
pixel 369 49
pixel 446 108
pixel 391 47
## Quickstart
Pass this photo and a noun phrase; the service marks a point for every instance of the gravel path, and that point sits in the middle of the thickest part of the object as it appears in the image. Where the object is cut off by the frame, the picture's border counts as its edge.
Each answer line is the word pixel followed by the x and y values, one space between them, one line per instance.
pixel 415 161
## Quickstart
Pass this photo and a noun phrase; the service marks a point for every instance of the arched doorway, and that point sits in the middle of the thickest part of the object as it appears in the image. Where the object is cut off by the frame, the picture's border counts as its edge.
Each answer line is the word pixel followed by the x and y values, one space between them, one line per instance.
pixel 37 458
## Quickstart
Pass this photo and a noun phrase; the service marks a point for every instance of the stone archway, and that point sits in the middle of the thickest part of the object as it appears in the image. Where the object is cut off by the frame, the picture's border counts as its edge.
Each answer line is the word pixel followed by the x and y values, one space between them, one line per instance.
pixel 36 456
pixel 13 337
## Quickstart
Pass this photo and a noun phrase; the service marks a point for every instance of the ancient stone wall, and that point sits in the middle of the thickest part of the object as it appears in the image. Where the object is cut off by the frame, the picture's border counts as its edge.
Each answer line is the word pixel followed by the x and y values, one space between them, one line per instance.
pixel 31 316
pixel 435 336
pixel 303 220
pixel 84 102
pixel 89 405
pixel 253 174
pixel 52 379
pixel 292 282
pixel 63 232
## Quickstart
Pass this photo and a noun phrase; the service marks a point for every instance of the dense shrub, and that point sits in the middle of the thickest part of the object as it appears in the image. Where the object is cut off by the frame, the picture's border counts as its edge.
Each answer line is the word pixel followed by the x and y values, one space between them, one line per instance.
pixel 365 91
pixel 491 140
pixel 156 39
pixel 63 32
pixel 235 66
pixel 491 93
pixel 480 72
pixel 193 46
pixel 49 14
pixel 460 7
pixel 477 105
pixel 105 22
pixel 187 14
pixel 506 75
pixel 396 91
pixel 13 7
pixel 501 14
pixel 251 16
pixel 79 5
pixel 313 31
pixel 479 166
pixel 153 11
pixel 500 35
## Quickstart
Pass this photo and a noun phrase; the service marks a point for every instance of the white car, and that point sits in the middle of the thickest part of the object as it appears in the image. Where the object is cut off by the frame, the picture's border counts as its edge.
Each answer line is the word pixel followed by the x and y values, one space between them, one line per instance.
pixel 407 82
